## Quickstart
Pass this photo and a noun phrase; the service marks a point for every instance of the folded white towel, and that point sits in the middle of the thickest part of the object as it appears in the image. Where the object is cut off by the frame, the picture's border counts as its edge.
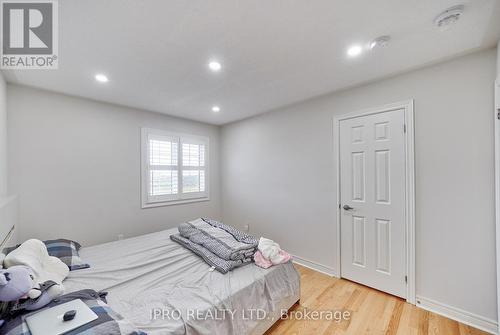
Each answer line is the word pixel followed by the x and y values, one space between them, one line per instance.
pixel 271 250
pixel 33 253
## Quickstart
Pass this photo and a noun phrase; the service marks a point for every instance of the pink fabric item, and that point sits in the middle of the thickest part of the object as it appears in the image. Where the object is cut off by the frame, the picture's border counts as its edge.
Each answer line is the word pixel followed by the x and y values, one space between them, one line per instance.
pixel 265 263
pixel 261 261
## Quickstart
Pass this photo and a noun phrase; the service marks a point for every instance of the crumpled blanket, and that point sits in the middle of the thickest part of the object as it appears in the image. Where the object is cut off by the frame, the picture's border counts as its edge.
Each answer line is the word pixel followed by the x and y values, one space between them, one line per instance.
pixel 237 234
pixel 224 241
pixel 33 254
pixel 270 253
pixel 220 264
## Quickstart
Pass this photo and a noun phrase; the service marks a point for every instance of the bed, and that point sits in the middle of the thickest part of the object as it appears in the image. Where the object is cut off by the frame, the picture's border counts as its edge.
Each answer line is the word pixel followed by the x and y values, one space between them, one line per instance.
pixel 163 288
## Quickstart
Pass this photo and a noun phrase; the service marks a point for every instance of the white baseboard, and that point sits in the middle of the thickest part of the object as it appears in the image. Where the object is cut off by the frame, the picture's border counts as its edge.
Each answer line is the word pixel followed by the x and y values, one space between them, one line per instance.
pixel 476 321
pixel 315 266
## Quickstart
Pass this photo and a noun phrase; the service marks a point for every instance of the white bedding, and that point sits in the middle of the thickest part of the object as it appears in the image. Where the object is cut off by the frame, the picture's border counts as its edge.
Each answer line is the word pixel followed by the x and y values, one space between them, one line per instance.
pixel 152 272
pixel 33 254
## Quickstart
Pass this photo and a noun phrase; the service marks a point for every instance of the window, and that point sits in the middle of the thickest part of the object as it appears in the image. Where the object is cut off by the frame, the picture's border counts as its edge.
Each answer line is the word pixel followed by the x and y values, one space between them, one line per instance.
pixel 174 168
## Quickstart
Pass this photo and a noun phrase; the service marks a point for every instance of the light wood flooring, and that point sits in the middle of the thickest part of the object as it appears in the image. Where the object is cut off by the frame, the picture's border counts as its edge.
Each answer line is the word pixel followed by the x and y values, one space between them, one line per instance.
pixel 372 311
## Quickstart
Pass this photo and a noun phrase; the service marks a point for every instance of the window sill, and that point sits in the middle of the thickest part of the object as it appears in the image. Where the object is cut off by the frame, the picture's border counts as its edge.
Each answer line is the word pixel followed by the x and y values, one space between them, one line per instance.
pixel 173 202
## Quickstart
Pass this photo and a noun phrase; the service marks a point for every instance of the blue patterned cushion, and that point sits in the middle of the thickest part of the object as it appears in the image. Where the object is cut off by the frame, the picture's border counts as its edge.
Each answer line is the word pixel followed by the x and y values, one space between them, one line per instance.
pixel 67 252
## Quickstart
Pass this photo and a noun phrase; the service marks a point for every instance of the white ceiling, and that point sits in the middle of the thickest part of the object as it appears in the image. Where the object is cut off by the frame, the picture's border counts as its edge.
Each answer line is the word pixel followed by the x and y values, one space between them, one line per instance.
pixel 273 53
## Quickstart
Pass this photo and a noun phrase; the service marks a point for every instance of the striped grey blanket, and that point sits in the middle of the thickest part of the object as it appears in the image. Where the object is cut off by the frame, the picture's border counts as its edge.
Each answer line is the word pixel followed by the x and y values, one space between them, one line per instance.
pixel 225 241
pixel 221 265
pixel 108 322
pixel 221 246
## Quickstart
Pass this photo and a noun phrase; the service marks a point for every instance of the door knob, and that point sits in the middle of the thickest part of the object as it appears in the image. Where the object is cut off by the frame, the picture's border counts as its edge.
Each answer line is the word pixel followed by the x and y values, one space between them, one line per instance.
pixel 348 208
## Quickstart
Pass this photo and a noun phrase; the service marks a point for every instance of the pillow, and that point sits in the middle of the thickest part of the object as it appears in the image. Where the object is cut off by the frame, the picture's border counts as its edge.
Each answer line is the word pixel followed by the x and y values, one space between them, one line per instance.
pixel 66 251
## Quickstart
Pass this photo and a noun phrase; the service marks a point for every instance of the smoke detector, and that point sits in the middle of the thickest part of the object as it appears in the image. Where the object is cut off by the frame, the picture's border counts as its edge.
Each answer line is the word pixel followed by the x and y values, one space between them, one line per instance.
pixel 449 17
pixel 380 42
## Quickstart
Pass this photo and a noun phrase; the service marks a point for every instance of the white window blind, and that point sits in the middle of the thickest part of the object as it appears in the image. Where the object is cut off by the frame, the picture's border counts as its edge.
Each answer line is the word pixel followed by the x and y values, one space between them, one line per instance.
pixel 174 168
pixel 193 168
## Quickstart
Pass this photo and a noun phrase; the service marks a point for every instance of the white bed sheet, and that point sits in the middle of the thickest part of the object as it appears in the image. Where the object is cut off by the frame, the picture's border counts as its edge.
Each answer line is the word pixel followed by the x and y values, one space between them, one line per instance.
pixel 151 272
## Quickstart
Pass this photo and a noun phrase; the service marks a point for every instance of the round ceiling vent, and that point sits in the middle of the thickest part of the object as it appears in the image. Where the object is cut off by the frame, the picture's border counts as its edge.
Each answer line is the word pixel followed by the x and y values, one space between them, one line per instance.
pixel 380 42
pixel 449 17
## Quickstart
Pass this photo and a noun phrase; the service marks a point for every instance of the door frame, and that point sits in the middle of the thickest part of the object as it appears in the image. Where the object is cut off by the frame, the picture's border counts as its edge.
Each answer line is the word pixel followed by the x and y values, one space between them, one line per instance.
pixel 496 118
pixel 409 137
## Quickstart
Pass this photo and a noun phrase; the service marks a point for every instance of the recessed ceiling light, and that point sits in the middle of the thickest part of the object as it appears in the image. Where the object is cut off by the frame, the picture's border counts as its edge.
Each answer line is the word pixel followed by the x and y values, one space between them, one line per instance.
pixel 215 66
pixel 101 78
pixel 354 50
pixel 216 109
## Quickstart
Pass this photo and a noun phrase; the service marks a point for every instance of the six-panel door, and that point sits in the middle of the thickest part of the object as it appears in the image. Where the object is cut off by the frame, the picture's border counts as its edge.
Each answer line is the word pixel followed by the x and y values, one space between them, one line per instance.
pixel 372 171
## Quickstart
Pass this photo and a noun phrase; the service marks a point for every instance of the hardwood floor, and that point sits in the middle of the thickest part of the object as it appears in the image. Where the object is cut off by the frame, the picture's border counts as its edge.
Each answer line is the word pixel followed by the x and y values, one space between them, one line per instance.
pixel 372 311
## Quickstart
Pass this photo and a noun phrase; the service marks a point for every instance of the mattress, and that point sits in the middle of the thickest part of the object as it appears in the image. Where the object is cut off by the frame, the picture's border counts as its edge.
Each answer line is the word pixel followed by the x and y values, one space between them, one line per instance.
pixel 164 288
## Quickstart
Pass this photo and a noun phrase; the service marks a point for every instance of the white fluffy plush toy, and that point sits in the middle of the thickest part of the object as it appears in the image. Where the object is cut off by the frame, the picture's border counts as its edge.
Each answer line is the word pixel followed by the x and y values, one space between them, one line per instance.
pixel 47 272
pixel 33 253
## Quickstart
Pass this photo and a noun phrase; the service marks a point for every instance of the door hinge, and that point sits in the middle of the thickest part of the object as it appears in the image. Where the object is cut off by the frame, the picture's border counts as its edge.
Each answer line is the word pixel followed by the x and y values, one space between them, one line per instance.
pixel 498 114
pixel 339 206
pixel 404 128
pixel 406 279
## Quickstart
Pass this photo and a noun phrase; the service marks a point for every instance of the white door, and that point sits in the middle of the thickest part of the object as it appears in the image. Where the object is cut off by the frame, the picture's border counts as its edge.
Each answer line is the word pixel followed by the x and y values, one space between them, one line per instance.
pixel 372 177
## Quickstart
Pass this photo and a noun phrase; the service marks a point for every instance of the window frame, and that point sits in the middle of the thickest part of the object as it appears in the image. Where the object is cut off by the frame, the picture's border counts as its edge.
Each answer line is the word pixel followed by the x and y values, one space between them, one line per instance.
pixel 179 198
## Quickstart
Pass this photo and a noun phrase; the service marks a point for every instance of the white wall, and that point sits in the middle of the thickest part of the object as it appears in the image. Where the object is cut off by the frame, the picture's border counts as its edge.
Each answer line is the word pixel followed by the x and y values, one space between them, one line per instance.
pixel 75 165
pixel 279 176
pixel 497 176
pixel 3 137
pixel 498 60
